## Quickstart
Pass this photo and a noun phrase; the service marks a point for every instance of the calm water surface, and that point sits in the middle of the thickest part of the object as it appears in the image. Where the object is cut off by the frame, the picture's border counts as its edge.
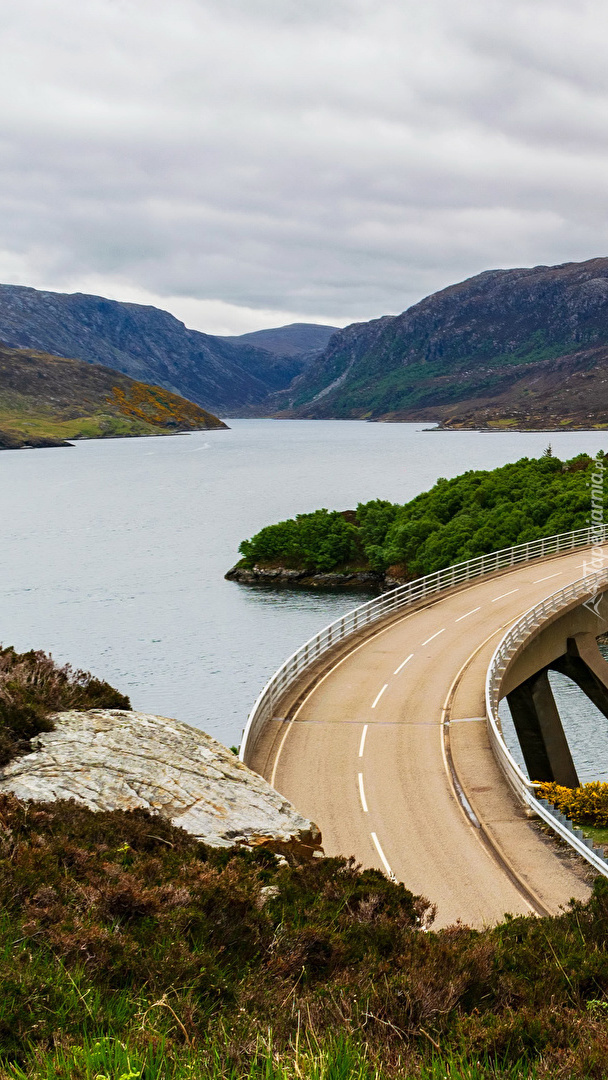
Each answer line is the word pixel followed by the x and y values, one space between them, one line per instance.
pixel 113 553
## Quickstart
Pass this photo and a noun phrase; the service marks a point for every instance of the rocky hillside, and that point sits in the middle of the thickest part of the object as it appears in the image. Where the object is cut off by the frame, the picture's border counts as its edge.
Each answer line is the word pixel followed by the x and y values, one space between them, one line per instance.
pixel 152 346
pixel 526 347
pixel 46 400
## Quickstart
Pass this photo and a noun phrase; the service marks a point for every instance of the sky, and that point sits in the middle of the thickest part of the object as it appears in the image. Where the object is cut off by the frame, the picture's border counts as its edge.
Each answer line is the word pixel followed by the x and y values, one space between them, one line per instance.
pixel 250 163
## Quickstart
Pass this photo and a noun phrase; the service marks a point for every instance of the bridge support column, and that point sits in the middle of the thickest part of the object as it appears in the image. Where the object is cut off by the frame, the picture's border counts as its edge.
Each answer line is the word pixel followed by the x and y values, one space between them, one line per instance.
pixel 585 665
pixel 540 732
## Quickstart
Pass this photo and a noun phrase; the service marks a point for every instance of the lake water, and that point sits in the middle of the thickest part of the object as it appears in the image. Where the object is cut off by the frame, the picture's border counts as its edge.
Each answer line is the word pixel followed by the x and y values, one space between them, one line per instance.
pixel 113 552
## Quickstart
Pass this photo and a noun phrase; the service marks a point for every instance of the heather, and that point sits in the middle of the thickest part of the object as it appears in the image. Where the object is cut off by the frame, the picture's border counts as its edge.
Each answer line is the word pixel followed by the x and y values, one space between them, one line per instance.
pixel 473 514
pixel 33 687
pixel 128 947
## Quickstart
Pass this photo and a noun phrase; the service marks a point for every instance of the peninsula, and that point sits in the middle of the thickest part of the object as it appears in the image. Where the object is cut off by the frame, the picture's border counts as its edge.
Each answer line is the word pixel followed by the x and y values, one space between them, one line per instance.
pixel 47 400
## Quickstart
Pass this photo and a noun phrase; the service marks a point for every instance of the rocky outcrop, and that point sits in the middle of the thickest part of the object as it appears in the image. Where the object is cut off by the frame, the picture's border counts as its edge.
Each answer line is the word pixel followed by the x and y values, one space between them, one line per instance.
pixel 281 575
pixel 114 760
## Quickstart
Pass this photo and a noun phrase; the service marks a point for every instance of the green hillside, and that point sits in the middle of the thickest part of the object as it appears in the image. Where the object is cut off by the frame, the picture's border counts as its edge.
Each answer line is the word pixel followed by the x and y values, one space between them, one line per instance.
pixel 46 400
pixel 131 951
pixel 517 348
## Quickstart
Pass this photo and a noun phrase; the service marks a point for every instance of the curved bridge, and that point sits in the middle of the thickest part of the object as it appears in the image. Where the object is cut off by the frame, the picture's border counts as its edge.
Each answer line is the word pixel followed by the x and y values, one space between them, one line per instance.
pixel 383 728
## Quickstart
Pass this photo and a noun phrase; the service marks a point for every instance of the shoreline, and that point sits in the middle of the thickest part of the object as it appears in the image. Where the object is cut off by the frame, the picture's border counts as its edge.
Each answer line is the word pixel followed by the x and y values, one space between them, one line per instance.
pixel 283 577
pixel 47 443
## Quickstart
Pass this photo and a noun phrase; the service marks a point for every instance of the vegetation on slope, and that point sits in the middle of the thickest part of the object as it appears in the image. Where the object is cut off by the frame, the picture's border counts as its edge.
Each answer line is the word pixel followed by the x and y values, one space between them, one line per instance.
pixel 45 400
pixel 131 951
pixel 524 347
pixel 472 514
pixel 33 686
pixel 126 943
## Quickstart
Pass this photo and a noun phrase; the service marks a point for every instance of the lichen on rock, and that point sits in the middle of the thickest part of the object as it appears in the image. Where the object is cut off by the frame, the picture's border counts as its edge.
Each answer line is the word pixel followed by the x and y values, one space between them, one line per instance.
pixel 110 759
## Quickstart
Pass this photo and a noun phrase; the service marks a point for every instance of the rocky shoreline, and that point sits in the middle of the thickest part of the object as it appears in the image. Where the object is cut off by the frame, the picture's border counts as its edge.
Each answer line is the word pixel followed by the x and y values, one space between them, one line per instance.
pixel 370 580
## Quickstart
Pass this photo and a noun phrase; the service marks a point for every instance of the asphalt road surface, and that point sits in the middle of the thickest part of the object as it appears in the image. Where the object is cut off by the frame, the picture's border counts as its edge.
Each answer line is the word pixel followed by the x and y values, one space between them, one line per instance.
pixel 388 753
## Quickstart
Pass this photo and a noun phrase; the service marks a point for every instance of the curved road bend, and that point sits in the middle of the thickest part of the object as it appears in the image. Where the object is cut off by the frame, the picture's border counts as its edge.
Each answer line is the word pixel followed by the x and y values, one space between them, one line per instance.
pixel 369 756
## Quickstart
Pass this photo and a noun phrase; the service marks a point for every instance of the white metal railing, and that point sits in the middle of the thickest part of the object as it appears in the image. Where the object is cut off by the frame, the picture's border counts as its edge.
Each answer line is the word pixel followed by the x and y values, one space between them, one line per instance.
pixel 510 646
pixel 403 596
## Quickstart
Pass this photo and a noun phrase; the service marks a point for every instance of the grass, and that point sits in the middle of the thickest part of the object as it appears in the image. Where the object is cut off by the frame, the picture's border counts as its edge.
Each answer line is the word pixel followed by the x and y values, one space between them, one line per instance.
pixel 53 399
pixel 83 427
pixel 334 1058
pixel 128 947
pixel 131 951
pixel 593 832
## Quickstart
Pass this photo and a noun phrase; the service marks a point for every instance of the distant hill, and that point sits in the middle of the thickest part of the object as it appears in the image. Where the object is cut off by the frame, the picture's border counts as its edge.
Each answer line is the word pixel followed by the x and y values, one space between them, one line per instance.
pixel 297 339
pixel 46 400
pixel 508 348
pixel 149 345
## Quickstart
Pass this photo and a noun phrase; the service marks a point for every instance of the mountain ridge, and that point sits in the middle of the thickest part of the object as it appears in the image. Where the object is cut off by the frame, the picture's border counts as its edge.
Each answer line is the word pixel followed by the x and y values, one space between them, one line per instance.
pixel 295 339
pixel 524 347
pixel 146 343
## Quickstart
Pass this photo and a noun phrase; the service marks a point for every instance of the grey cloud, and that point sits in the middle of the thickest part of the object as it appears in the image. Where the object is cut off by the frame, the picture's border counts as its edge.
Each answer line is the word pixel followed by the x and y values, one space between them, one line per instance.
pixel 330 159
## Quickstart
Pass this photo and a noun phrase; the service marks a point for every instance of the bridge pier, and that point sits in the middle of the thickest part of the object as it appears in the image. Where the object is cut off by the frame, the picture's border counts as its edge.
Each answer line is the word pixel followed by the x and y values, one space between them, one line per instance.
pixel 536 717
pixel 585 665
pixel 540 732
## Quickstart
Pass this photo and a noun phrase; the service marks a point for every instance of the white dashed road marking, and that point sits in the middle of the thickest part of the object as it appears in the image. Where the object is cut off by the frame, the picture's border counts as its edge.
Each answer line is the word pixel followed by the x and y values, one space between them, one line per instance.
pixel 433 636
pixel 467 614
pixel 363 734
pixel 362 793
pixel 379 695
pixel 502 595
pixel 402 665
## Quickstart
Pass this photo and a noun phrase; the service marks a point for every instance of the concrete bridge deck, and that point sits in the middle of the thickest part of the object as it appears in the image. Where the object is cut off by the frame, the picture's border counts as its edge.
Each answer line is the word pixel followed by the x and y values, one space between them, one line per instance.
pixel 388 752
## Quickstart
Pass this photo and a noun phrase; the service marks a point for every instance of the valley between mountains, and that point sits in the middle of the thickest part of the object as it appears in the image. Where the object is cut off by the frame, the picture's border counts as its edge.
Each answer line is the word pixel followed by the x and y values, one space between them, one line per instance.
pixel 507 349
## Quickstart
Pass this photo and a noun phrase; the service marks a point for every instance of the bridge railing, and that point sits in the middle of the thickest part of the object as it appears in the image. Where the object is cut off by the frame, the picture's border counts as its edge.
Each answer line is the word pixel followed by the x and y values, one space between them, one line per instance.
pixel 289 672
pixel 513 641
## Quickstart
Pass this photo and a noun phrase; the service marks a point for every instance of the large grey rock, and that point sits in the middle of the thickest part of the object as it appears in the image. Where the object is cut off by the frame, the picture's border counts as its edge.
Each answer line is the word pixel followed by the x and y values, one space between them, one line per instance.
pixel 115 760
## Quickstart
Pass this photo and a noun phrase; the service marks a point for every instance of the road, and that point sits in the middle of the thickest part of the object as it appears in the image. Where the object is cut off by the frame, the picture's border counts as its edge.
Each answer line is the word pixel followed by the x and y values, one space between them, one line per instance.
pixel 388 753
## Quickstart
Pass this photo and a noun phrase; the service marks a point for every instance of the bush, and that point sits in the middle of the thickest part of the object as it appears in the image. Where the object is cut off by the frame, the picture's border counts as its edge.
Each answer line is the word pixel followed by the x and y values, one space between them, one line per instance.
pixel 459 519
pixel 319 541
pixel 32 687
pixel 586 805
pixel 118 930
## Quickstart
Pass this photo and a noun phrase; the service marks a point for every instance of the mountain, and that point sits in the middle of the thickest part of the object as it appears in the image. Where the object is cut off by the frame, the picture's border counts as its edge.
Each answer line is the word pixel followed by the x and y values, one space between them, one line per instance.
pixel 524 347
pixel 148 344
pixel 297 339
pixel 46 399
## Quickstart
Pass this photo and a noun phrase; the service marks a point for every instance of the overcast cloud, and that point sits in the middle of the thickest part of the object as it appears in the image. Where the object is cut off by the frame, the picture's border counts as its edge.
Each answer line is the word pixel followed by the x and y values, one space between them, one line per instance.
pixel 246 163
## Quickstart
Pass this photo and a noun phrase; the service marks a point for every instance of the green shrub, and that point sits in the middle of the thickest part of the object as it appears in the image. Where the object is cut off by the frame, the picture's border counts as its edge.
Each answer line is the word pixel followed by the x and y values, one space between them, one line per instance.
pixel 98 906
pixel 473 514
pixel 126 945
pixel 319 541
